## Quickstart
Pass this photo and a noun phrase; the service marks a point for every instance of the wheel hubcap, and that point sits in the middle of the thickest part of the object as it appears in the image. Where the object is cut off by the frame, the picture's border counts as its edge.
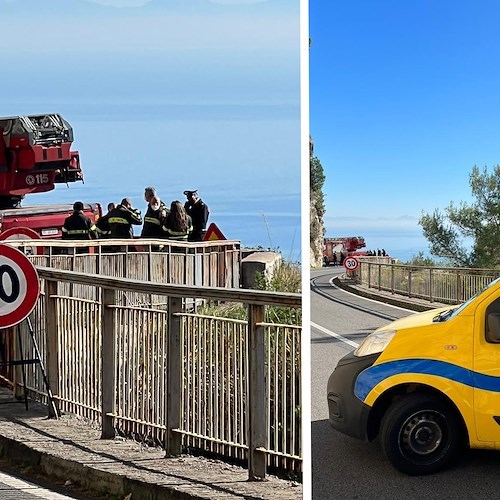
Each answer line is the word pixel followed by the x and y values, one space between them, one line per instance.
pixel 422 433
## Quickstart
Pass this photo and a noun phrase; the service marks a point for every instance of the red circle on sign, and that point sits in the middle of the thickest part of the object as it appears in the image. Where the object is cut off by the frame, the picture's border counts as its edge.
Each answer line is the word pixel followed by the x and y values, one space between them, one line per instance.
pixel 351 263
pixel 25 286
pixel 30 234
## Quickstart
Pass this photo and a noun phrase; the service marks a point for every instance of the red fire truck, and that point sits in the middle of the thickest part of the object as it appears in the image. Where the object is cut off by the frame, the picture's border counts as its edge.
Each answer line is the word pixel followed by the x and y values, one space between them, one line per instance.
pixel 35 154
pixel 335 250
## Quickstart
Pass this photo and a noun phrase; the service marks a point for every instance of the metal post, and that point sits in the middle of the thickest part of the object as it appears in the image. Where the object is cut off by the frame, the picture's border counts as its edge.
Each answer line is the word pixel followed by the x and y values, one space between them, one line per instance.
pixel 52 349
pixel 173 438
pixel 18 375
pixel 392 278
pixel 369 274
pixel 380 277
pixel 409 282
pixel 108 381
pixel 257 395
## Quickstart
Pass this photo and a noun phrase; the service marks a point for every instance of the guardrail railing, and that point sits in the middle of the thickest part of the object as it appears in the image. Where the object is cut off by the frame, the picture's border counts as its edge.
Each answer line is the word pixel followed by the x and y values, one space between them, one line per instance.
pixel 436 284
pixel 209 263
pixel 170 376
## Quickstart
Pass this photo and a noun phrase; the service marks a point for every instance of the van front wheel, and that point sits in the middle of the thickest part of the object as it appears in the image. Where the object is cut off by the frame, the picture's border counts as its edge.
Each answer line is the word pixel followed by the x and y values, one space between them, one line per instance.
pixel 420 434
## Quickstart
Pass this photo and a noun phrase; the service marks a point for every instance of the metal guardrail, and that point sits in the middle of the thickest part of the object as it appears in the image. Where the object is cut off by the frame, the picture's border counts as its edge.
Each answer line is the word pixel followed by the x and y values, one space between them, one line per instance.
pixel 436 284
pixel 170 376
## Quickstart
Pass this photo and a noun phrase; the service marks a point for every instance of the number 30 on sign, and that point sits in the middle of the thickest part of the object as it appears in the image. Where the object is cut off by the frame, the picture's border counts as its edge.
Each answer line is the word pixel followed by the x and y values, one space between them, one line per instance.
pixel 351 263
pixel 19 286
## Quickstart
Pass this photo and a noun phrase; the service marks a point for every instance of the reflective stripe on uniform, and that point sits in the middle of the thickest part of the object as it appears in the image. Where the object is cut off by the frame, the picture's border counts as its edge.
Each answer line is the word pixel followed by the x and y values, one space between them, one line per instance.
pixel 184 237
pixel 177 234
pixel 76 231
pixel 152 220
pixel 118 220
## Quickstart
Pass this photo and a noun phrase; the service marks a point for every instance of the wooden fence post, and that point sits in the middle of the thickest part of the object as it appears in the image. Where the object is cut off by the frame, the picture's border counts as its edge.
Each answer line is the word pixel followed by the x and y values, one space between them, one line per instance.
pixel 431 285
pixel 52 343
pixel 173 439
pixel 257 394
pixel 459 288
pixel 108 381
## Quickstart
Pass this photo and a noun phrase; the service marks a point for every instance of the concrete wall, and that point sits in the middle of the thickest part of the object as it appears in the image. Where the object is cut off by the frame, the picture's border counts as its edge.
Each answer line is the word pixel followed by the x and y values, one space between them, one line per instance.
pixel 258 262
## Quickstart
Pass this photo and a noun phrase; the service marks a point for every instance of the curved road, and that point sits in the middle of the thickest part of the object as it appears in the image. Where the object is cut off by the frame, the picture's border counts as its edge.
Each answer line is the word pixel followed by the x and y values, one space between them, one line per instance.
pixel 343 467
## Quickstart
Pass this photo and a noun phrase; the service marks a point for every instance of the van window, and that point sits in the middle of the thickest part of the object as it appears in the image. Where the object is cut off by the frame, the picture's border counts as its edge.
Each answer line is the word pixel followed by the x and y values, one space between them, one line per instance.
pixel 461 307
pixel 492 322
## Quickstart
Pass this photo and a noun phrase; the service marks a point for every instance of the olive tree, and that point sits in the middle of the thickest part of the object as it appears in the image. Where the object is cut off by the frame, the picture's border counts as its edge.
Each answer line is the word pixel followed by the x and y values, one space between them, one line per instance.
pixel 478 222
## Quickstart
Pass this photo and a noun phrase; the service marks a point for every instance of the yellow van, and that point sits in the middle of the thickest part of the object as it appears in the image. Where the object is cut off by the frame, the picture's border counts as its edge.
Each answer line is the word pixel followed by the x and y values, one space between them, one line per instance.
pixel 428 384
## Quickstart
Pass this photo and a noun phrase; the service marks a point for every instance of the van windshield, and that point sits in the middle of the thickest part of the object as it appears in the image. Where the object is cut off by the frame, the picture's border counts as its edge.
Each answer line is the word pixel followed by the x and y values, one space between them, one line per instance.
pixel 461 307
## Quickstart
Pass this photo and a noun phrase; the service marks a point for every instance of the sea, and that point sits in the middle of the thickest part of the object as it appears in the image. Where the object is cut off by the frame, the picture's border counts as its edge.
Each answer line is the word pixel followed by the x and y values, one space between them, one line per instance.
pixel 244 160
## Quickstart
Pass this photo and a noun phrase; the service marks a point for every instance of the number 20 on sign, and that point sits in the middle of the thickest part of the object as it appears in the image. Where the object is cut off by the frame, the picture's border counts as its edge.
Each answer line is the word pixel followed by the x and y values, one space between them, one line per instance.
pixel 19 286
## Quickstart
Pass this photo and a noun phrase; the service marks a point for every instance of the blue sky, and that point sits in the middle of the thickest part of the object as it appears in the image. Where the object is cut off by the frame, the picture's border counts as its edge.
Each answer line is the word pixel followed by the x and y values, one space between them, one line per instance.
pixel 404 101
pixel 180 95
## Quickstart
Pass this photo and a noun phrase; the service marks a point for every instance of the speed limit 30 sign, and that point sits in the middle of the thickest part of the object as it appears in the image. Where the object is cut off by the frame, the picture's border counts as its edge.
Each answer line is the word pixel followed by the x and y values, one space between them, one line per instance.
pixel 19 286
pixel 350 263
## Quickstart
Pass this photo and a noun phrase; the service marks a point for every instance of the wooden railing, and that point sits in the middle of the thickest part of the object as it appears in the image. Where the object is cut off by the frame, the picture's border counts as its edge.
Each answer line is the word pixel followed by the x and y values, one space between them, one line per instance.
pixel 446 285
pixel 167 375
pixel 210 263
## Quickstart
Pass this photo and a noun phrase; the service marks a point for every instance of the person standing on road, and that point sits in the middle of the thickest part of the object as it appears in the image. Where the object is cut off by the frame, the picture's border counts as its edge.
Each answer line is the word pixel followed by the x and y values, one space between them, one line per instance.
pixel 178 224
pixel 121 219
pixel 155 215
pixel 199 212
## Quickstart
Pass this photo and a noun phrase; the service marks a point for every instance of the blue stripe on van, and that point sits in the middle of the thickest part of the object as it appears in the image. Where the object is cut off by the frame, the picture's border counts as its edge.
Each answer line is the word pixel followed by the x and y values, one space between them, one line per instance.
pixel 370 377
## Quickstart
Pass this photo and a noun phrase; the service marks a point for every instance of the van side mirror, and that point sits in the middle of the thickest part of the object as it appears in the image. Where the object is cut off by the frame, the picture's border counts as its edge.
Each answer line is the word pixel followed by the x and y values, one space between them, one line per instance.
pixel 493 330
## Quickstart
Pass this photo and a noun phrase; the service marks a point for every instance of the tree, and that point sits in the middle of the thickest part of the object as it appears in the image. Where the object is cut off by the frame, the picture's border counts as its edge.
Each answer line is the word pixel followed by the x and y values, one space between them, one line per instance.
pixel 478 222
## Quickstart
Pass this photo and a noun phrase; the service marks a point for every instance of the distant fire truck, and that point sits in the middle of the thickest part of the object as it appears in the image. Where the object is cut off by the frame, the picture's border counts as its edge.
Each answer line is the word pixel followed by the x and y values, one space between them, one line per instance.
pixel 35 154
pixel 335 250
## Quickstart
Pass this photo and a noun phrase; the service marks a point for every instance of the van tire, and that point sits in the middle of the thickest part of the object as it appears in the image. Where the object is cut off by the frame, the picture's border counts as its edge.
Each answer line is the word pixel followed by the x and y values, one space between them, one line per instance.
pixel 420 434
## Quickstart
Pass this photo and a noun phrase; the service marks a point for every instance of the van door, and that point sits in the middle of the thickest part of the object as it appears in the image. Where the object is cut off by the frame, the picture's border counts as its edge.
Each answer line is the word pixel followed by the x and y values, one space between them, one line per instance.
pixel 487 372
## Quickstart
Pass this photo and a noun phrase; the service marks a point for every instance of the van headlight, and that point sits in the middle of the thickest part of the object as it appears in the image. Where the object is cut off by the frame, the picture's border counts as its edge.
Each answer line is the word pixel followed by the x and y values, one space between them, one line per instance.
pixel 375 343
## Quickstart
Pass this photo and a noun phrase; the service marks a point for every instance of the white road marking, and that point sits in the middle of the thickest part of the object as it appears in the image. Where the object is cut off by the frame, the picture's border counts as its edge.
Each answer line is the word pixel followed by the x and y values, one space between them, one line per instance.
pixel 30 488
pixel 369 300
pixel 336 335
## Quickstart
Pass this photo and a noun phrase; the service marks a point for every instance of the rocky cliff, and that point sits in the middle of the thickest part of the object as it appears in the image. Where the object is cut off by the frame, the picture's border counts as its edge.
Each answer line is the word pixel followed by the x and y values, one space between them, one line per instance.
pixel 317 231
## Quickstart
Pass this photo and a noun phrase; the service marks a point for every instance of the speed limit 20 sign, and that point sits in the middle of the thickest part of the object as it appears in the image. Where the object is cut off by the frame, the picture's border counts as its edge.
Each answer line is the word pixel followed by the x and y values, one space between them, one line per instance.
pixel 351 263
pixel 19 286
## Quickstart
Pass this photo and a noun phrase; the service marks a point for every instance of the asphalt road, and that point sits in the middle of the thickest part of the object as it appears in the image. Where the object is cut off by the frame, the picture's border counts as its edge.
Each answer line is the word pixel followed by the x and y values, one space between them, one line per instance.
pixel 15 488
pixel 343 467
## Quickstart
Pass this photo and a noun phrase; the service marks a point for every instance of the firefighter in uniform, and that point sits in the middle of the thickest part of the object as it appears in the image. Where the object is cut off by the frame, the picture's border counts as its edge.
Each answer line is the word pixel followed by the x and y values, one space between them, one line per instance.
pixel 177 224
pixel 155 214
pixel 121 219
pixel 78 227
pixel 199 212
pixel 102 225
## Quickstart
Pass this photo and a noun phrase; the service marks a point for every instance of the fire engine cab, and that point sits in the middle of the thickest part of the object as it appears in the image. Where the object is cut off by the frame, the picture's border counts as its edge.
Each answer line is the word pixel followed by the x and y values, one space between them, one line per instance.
pixel 35 154
pixel 335 250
